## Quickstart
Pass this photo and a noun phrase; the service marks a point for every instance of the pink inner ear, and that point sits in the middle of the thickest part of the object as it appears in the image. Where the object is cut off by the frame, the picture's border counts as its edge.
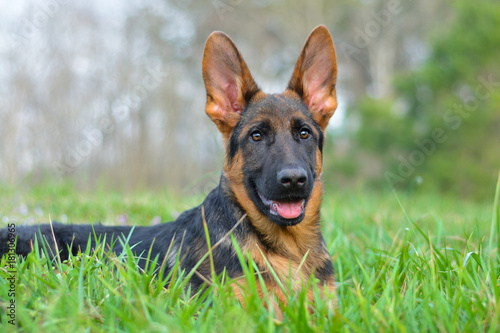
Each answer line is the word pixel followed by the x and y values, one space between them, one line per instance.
pixel 227 90
pixel 319 100
pixel 232 94
pixel 317 95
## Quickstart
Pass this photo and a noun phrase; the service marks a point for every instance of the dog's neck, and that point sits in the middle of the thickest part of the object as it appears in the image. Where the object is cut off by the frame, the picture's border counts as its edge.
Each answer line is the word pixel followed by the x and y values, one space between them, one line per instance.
pixel 297 250
pixel 292 241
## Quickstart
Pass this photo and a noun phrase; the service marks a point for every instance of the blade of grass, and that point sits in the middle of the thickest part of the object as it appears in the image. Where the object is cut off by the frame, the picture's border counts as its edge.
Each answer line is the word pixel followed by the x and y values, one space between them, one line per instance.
pixel 207 236
pixel 495 218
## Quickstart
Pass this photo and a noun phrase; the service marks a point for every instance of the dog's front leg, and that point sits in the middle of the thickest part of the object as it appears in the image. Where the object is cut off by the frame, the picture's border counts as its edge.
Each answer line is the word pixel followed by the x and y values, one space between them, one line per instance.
pixel 270 294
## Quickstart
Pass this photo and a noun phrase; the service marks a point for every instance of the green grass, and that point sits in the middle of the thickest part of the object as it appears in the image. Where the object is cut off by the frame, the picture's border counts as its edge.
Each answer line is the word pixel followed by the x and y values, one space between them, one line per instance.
pixel 403 262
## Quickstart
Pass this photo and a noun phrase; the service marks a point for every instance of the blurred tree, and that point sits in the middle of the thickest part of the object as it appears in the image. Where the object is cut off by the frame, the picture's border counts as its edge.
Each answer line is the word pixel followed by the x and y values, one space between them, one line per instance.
pixel 458 90
pixel 445 130
pixel 104 91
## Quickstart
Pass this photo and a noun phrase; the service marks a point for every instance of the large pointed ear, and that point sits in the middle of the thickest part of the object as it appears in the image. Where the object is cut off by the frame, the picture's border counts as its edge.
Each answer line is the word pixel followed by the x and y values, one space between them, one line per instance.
pixel 228 82
pixel 315 75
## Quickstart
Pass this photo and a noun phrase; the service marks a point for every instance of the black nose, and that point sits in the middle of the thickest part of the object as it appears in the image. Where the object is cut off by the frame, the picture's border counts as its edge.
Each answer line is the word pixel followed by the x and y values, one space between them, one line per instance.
pixel 292 178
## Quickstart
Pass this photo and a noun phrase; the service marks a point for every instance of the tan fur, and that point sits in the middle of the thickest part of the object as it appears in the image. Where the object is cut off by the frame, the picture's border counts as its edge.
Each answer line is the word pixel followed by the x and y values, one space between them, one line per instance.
pixel 326 291
pixel 222 64
pixel 292 252
pixel 291 244
pixel 240 288
pixel 315 75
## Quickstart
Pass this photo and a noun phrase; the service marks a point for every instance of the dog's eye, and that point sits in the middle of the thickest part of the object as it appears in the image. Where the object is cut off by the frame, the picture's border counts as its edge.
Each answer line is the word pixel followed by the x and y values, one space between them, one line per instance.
pixel 256 136
pixel 304 133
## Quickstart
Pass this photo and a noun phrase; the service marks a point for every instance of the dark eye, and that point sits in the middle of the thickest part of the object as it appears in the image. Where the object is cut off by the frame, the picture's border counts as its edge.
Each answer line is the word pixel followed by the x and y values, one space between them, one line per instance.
pixel 304 133
pixel 256 136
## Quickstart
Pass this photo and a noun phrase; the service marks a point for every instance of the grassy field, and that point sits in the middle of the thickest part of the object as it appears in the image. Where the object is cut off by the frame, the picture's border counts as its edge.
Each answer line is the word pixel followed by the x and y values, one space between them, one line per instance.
pixel 404 263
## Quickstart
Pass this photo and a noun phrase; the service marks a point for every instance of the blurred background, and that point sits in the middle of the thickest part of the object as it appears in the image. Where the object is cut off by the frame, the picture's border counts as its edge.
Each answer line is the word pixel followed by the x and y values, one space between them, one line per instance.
pixel 111 94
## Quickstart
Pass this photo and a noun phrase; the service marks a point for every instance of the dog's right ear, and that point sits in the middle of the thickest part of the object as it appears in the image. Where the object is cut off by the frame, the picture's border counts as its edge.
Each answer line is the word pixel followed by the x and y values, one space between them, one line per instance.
pixel 228 82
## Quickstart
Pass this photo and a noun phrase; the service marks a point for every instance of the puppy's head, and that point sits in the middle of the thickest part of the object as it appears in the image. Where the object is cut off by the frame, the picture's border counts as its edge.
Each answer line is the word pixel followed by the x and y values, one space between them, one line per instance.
pixel 273 142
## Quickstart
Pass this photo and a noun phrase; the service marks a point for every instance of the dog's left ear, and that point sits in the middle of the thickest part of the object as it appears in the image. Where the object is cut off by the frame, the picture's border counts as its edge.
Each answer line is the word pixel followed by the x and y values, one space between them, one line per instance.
pixel 228 81
pixel 315 75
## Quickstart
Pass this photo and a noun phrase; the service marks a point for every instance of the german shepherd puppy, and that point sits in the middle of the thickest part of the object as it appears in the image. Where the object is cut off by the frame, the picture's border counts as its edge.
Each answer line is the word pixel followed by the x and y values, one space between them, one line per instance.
pixel 270 190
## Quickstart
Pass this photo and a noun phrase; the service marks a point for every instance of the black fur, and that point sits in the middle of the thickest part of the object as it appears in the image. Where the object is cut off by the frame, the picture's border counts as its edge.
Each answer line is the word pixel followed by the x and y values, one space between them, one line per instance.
pixel 280 121
pixel 220 213
pixel 186 235
pixel 278 167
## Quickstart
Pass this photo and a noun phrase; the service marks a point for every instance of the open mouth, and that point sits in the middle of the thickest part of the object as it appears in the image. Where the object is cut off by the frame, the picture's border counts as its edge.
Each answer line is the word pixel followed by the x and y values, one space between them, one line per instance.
pixel 286 209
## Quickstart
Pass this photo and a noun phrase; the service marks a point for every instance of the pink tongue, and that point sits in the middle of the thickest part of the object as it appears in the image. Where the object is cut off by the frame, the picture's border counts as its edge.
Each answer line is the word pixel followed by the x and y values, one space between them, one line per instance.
pixel 289 210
